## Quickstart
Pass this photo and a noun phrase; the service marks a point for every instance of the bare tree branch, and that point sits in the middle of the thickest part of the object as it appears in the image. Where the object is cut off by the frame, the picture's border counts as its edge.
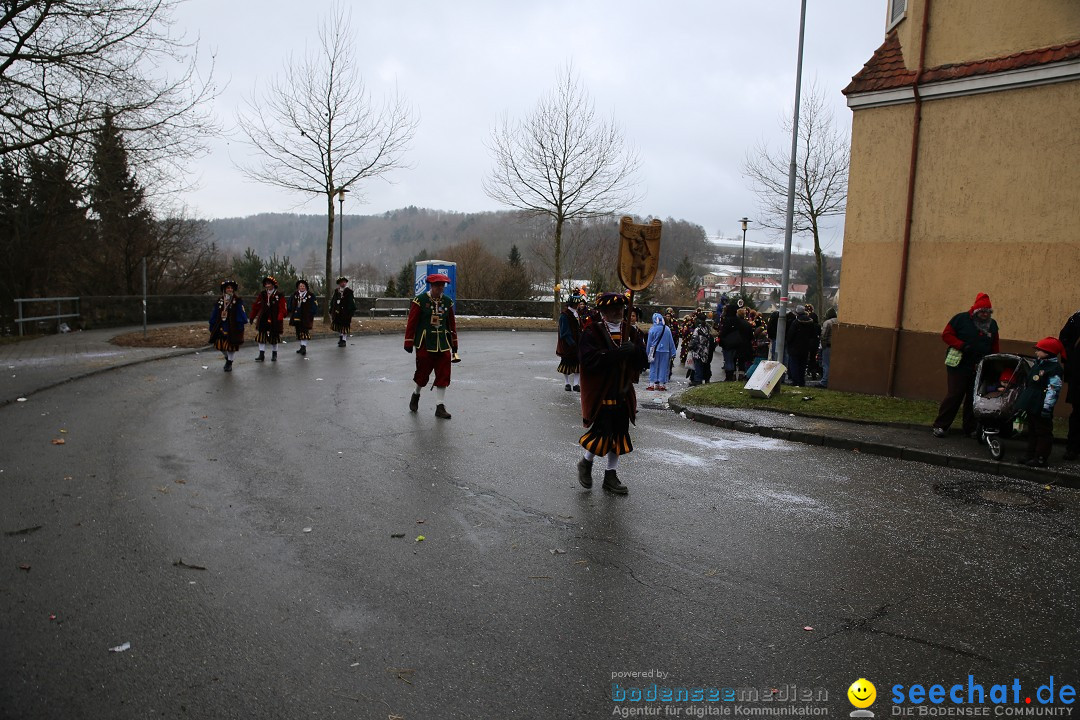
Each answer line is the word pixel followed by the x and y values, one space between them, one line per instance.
pixel 316 129
pixel 563 162
pixel 821 176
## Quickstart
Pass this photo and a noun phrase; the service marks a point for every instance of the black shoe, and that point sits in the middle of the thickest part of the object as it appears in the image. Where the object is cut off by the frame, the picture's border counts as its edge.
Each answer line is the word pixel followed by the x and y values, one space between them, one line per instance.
pixel 273 356
pixel 584 473
pixel 577 388
pixel 228 366
pixel 567 388
pixel 414 402
pixel 939 432
pixel 612 483
pixel 341 343
pixel 440 412
pixel 1036 462
pixel 262 356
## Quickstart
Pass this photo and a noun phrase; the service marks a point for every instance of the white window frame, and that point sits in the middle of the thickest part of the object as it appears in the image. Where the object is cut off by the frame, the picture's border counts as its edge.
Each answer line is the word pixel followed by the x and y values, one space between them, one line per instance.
pixel 894 19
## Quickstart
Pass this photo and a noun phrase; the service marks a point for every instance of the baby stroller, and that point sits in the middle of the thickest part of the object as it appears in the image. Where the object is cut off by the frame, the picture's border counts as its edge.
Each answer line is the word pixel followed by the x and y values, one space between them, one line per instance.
pixel 999 380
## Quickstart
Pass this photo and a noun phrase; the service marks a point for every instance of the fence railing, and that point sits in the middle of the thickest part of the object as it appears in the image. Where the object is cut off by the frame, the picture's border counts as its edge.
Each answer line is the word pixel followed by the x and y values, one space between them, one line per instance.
pixel 20 318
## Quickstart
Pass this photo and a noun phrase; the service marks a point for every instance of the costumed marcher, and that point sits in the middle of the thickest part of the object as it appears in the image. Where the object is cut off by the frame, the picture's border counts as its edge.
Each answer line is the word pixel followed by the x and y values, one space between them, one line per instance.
pixel 612 358
pixel 227 321
pixel 701 350
pixel 660 350
pixel 1038 399
pixel 342 309
pixel 268 317
pixel 971 336
pixel 566 346
pixel 1070 340
pixel 432 331
pixel 302 311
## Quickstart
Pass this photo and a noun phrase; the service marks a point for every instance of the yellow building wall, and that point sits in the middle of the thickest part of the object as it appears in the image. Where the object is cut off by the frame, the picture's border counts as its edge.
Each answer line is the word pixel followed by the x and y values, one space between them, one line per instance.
pixel 966 30
pixel 997 210
pixel 874 221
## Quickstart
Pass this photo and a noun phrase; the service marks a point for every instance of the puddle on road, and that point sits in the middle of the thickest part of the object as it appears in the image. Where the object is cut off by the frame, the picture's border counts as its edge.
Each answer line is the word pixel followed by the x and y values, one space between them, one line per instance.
pixel 674 457
pixel 737 441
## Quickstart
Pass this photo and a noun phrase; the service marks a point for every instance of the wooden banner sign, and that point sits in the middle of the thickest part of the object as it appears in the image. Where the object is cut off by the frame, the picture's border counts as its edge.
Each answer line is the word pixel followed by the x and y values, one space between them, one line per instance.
pixel 639 253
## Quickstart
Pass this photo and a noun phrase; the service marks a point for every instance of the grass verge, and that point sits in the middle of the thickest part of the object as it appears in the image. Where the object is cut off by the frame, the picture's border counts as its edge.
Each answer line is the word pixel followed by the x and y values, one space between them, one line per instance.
pixel 821 402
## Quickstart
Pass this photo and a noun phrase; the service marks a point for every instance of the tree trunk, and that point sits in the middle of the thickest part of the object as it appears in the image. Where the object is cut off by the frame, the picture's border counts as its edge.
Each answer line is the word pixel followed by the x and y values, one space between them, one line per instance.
pixel 556 308
pixel 819 304
pixel 329 255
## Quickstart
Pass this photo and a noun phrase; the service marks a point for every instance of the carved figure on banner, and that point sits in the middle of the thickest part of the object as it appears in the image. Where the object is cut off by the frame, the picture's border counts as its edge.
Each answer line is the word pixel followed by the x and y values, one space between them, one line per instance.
pixel 639 253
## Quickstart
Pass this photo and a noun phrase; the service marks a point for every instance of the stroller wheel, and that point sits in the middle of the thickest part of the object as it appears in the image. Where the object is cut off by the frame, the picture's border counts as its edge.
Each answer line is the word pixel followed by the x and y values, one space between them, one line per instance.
pixel 996 450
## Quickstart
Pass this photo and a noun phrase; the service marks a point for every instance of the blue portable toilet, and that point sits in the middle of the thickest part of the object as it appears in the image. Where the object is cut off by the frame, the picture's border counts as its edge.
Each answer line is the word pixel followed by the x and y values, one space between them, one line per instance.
pixel 428 267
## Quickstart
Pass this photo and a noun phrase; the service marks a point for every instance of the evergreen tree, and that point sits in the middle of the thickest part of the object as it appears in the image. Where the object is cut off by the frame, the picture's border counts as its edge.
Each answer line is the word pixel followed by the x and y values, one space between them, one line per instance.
pixel 123 228
pixel 249 271
pixel 405 279
pixel 514 281
pixel 391 287
pixel 687 273
pixel 284 272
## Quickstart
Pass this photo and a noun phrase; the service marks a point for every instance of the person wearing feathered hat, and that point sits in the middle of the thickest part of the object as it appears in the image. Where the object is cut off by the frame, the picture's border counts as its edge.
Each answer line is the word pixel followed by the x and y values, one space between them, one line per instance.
pixel 227 322
pixel 432 331
pixel 612 358
pixel 342 309
pixel 303 309
pixel 268 317
pixel 566 347
pixel 1039 397
pixel 971 336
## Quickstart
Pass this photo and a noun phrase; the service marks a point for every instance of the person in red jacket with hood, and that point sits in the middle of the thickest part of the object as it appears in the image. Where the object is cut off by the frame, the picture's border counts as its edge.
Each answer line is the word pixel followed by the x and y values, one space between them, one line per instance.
pixel 971 336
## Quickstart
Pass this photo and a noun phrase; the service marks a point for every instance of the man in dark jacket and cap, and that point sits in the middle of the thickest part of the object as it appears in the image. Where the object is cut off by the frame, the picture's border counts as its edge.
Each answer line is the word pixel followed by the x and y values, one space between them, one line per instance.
pixel 971 336
pixel 1070 340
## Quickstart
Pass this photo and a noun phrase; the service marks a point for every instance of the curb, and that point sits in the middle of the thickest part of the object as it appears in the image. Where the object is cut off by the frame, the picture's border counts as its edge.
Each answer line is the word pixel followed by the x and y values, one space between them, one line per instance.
pixel 99 371
pixel 899 452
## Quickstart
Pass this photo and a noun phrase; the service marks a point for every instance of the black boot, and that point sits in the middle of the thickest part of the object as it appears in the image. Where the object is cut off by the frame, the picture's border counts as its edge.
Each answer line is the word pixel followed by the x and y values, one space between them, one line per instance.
pixel 341 342
pixel 414 402
pixel 577 388
pixel 302 350
pixel 228 366
pixel 273 356
pixel 262 356
pixel 440 412
pixel 584 473
pixel 612 483
pixel 567 388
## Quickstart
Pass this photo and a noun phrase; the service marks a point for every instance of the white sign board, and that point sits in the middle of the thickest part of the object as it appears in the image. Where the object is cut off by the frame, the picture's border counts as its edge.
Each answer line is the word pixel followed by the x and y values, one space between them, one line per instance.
pixel 766 378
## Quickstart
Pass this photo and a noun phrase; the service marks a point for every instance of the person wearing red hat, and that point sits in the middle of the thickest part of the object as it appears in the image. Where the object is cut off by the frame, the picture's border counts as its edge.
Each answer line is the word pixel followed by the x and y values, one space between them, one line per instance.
pixel 971 336
pixel 432 332
pixel 1038 399
pixel 1070 339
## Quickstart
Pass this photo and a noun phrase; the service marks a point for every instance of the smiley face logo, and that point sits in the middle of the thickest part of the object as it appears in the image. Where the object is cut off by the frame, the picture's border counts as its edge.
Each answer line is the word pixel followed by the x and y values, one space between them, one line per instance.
pixel 862 693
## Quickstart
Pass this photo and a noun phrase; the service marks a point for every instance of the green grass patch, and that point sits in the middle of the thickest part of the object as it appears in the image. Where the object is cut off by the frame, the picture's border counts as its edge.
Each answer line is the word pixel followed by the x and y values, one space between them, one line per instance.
pixel 828 404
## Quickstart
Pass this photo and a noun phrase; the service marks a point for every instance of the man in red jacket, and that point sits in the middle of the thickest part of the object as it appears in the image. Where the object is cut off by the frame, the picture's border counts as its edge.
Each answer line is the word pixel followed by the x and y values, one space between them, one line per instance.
pixel 432 332
pixel 971 336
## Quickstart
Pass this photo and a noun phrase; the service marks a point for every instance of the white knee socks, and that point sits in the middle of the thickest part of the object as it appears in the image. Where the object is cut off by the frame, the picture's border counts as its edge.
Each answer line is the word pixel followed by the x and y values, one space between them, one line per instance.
pixel 262 347
pixel 612 460
pixel 440 395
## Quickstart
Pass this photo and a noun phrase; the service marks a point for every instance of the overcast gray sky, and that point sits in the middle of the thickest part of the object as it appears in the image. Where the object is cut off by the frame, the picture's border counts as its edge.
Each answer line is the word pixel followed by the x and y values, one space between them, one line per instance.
pixel 694 86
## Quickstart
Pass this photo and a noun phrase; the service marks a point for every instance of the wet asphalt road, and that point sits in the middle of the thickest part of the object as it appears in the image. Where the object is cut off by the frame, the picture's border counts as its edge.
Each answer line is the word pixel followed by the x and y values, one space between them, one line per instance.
pixel 728 546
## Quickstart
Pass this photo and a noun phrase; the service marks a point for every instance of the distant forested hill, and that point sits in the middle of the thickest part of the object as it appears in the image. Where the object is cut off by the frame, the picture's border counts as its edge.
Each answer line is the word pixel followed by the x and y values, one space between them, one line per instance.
pixel 389 240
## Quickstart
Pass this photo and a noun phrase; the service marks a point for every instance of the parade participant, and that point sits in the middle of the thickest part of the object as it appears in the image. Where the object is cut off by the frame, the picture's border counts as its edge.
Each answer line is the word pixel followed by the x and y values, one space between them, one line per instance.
pixel 268 317
pixel 302 311
pixel 342 308
pixel 660 350
pixel 227 321
pixel 701 349
pixel 567 345
pixel 432 331
pixel 610 363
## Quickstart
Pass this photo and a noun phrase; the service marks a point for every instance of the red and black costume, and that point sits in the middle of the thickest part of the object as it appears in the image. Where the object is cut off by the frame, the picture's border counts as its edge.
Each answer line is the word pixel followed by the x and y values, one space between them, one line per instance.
pixel 227 322
pixel 268 314
pixel 432 332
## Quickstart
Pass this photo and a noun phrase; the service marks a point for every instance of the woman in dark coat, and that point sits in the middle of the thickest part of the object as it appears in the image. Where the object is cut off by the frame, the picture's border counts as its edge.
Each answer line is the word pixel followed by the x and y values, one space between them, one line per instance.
pixel 736 336
pixel 302 311
pixel 227 321
pixel 971 336
pixel 342 309
pixel 802 337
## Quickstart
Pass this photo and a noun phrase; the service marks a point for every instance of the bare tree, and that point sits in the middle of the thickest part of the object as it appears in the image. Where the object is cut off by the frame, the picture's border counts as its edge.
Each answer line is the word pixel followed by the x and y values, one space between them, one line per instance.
pixel 821 176
pixel 318 131
pixel 563 162
pixel 66 65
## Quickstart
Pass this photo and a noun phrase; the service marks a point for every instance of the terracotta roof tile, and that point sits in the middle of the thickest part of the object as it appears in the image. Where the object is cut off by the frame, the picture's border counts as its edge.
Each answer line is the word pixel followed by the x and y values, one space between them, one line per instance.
pixel 886 69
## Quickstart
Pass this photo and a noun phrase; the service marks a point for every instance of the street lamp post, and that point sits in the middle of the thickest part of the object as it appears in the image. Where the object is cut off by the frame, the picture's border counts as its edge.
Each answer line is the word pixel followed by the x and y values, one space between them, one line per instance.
pixel 742 273
pixel 341 230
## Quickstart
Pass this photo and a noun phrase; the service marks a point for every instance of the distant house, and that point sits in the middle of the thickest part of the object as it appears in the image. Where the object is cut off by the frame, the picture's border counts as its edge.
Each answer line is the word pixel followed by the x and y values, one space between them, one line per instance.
pixel 964 178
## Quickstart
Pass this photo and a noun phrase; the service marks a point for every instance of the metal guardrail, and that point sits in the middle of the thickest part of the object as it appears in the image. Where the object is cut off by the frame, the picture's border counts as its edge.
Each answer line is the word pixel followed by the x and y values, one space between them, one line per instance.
pixel 58 316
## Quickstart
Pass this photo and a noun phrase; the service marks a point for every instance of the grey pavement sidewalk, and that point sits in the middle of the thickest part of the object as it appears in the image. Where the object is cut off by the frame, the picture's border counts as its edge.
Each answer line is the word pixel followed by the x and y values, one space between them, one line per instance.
pixel 904 443
pixel 29 366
